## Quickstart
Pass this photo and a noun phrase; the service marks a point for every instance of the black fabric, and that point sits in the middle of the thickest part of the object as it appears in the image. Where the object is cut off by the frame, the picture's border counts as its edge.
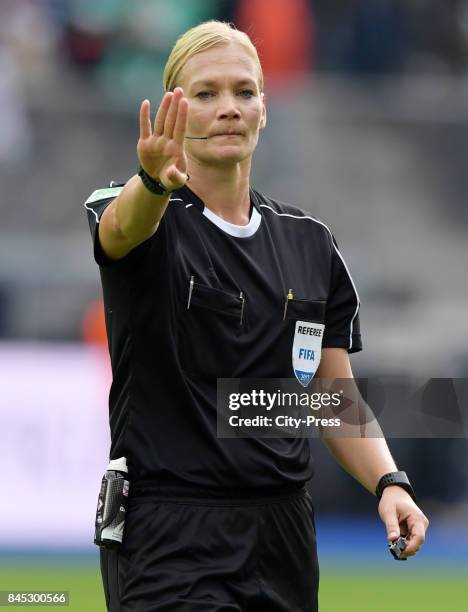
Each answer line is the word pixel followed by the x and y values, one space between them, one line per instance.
pixel 166 357
pixel 110 580
pixel 203 555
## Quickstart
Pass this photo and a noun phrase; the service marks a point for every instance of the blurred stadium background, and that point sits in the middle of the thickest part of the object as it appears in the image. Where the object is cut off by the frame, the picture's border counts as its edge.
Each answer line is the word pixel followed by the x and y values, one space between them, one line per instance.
pixel 368 129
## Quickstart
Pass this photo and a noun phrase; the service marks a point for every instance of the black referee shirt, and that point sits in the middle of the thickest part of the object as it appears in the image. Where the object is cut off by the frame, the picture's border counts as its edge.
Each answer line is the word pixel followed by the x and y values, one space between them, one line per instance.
pixel 170 339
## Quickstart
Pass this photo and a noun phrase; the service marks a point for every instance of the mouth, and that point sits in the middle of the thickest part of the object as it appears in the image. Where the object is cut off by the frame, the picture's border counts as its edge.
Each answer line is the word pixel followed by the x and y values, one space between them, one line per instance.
pixel 228 135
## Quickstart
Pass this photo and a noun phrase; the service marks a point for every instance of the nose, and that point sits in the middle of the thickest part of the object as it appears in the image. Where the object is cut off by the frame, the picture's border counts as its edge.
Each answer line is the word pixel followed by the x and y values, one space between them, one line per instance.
pixel 227 108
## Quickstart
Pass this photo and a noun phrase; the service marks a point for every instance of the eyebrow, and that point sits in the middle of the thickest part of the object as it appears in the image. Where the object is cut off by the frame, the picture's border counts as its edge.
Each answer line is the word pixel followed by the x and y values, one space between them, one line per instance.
pixel 211 83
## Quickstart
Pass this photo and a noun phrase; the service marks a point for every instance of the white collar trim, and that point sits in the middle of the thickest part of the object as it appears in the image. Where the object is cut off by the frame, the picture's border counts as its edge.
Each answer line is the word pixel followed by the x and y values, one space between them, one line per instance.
pixel 240 231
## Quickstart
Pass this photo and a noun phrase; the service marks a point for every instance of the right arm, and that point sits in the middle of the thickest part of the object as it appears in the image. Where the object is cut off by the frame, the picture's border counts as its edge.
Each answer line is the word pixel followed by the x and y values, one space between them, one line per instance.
pixel 135 213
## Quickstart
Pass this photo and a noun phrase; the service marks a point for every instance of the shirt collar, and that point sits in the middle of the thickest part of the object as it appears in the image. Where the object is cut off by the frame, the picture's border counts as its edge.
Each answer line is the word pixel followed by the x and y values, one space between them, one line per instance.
pixel 239 231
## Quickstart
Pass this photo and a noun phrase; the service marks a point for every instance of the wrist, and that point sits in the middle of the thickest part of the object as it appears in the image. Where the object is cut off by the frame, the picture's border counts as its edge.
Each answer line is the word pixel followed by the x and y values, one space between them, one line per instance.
pixel 151 184
pixel 393 489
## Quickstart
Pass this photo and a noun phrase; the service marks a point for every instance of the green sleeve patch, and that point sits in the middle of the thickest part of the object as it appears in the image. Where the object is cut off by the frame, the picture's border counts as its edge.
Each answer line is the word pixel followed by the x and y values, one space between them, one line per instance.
pixel 103 194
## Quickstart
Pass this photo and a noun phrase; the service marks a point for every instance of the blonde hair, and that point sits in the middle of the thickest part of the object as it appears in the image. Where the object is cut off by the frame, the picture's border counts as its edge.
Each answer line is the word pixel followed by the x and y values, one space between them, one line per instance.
pixel 200 38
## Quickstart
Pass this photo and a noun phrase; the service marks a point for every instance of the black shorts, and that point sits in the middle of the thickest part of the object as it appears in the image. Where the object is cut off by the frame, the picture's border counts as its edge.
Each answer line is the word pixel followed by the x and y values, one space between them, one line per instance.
pixel 184 553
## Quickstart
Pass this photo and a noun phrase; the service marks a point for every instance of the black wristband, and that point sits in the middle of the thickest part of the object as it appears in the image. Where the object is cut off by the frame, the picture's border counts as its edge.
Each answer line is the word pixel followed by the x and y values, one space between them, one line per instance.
pixel 151 184
pixel 399 479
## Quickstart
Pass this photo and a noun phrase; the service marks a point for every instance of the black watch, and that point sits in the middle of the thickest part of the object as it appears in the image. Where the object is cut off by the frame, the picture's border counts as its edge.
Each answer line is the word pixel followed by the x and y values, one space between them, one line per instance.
pixel 394 478
pixel 151 184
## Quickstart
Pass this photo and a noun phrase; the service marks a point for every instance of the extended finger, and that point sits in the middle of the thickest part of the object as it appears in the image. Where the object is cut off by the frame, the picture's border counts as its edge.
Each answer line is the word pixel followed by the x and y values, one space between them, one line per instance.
pixel 181 121
pixel 145 121
pixel 172 113
pixel 162 113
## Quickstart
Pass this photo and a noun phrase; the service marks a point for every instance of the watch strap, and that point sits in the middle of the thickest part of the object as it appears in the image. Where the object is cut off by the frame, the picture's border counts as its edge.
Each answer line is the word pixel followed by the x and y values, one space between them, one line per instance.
pixel 399 479
pixel 152 184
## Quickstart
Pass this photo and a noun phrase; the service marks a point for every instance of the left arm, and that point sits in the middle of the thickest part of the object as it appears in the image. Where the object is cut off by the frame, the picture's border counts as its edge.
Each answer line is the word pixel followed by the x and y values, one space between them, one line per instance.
pixel 367 460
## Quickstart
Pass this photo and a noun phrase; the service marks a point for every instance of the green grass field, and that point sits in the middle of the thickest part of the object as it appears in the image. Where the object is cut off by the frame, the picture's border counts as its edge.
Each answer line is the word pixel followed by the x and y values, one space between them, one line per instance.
pixel 365 591
pixel 376 593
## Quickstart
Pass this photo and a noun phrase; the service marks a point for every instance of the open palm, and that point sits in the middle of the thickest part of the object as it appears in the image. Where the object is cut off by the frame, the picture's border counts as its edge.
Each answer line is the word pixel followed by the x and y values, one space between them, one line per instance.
pixel 161 150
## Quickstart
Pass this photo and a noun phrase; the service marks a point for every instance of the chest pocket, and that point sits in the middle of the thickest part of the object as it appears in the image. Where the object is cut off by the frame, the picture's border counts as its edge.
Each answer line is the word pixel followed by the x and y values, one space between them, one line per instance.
pixel 306 328
pixel 210 332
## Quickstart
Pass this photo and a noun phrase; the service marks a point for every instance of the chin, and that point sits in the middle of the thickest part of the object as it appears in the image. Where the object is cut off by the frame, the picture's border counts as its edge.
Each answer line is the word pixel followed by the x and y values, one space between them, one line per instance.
pixel 221 158
pixel 231 153
pixel 223 155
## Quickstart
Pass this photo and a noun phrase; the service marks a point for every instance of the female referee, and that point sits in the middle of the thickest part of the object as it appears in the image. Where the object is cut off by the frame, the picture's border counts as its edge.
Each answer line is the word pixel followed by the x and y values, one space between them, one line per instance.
pixel 205 278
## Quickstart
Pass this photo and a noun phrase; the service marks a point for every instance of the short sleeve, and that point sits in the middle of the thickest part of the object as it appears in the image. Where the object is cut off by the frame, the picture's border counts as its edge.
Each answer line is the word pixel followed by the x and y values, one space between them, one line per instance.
pixel 342 326
pixel 95 206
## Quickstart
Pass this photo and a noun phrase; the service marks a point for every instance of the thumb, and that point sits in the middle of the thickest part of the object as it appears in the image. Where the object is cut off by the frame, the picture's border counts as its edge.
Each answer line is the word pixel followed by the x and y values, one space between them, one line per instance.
pixel 176 176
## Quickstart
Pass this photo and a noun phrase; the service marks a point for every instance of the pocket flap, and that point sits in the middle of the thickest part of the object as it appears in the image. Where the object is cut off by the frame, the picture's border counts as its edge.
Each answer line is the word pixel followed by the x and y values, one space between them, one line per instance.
pixel 306 310
pixel 215 299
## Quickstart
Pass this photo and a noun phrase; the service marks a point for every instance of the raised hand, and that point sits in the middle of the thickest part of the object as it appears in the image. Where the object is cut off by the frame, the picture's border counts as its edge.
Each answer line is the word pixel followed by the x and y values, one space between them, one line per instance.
pixel 161 150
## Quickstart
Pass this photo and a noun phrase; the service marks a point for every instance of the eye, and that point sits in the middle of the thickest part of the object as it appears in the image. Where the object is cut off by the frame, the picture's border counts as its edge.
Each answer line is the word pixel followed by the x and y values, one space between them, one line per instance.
pixel 246 93
pixel 204 95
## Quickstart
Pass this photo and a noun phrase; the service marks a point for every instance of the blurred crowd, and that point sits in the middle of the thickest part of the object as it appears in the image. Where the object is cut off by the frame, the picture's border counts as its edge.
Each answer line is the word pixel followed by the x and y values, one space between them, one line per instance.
pixel 125 42
pixel 121 45
pixel 54 54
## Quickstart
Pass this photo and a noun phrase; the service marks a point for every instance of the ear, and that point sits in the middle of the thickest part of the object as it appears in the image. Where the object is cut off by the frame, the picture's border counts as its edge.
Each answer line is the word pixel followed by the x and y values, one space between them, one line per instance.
pixel 263 119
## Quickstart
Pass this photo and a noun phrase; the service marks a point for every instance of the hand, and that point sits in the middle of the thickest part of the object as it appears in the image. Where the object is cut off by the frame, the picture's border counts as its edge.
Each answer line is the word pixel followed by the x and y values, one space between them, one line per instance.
pixel 161 152
pixel 403 517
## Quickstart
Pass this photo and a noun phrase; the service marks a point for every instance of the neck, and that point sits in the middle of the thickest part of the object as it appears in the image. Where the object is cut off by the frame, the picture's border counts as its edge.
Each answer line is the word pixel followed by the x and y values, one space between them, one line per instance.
pixel 224 190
